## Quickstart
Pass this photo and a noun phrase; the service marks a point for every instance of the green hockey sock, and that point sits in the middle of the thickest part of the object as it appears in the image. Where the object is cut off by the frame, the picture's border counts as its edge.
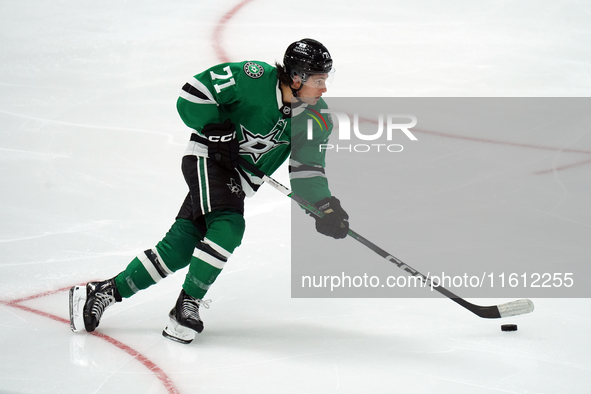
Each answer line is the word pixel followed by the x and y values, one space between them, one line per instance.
pixel 224 234
pixel 171 254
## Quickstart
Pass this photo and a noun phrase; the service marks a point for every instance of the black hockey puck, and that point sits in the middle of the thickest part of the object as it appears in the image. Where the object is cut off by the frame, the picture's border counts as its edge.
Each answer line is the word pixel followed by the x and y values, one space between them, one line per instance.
pixel 509 327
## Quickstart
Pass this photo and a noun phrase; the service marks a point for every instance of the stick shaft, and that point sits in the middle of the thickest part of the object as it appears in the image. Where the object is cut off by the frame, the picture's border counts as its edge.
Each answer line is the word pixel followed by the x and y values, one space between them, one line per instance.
pixel 510 309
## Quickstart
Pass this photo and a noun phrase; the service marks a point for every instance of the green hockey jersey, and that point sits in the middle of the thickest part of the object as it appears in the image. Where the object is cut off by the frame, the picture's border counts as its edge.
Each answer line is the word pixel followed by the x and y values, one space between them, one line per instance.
pixel 269 132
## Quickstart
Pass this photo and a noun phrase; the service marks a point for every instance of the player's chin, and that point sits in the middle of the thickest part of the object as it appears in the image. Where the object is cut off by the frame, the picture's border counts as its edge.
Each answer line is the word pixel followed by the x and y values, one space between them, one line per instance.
pixel 312 100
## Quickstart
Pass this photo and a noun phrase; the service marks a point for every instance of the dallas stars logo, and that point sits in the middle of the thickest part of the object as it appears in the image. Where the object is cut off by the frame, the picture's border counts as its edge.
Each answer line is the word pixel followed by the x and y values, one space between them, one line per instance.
pixel 256 145
pixel 254 70
pixel 234 187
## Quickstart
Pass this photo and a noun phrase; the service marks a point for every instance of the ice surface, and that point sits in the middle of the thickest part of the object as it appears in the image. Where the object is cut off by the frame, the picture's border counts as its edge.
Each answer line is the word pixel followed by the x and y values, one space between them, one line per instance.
pixel 90 153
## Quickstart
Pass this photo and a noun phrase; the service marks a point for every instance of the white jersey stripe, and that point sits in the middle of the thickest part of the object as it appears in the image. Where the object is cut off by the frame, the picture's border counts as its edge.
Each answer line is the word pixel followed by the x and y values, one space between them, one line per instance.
pixel 202 89
pixel 149 267
pixel 218 248
pixel 203 178
pixel 305 174
pixel 209 259
pixel 196 149
pixel 163 265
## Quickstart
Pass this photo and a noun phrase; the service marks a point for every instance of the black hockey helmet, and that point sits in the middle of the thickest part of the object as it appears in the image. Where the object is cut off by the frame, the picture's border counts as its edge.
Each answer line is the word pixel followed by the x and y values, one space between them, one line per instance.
pixel 306 57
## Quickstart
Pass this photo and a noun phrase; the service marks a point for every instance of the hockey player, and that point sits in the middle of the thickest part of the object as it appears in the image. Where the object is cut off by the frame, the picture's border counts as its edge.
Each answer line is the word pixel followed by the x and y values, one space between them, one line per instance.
pixel 237 111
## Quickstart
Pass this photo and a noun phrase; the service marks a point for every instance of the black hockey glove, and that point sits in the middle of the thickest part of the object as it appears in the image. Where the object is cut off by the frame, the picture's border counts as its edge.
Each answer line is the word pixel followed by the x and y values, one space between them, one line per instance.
pixel 222 144
pixel 334 223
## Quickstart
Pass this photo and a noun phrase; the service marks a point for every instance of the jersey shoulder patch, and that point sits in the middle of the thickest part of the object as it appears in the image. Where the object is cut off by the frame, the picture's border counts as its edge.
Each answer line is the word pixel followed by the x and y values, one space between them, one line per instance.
pixel 253 69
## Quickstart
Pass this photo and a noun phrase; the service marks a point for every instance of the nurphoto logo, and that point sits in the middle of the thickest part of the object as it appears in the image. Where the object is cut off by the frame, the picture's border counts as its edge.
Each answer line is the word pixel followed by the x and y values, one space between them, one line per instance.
pixel 386 124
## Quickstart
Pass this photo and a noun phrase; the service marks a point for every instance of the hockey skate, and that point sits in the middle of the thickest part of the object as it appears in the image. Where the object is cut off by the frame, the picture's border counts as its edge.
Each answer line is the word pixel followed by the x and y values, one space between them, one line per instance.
pixel 88 303
pixel 184 319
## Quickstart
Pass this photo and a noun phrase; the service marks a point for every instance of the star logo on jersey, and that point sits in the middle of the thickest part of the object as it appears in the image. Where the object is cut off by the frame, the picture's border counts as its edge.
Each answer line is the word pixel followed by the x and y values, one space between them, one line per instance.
pixel 254 70
pixel 256 145
pixel 235 187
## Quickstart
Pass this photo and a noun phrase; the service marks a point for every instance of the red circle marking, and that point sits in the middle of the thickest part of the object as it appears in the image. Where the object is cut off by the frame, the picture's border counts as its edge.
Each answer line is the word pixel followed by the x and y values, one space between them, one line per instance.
pixel 149 364
pixel 145 361
pixel 221 25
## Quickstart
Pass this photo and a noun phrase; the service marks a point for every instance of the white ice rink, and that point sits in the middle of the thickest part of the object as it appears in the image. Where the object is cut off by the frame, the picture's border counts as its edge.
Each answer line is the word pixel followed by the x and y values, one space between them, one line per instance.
pixel 90 148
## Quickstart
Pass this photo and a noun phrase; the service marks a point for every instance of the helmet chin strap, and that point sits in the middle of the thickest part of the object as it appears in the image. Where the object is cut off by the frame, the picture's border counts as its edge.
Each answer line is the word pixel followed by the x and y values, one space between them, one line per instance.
pixel 295 91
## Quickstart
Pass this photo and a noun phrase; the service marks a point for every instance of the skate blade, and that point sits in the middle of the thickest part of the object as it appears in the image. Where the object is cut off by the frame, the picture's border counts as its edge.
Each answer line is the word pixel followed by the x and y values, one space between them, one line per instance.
pixel 77 301
pixel 178 333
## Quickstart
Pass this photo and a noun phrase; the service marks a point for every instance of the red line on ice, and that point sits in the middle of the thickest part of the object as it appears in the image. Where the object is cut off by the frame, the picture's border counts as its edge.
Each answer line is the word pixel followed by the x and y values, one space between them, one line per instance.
pixel 152 367
pixel 565 167
pixel 217 32
pixel 145 361
pixel 489 141
pixel 223 57
pixel 508 143
pixel 40 295
pixel 520 145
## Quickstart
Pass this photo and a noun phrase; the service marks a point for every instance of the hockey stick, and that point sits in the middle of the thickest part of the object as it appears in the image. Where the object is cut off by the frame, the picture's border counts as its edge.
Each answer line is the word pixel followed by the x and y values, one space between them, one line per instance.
pixel 513 308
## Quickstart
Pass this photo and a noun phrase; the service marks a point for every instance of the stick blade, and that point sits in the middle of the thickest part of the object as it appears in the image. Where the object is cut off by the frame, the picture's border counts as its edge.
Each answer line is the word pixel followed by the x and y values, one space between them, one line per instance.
pixel 514 308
